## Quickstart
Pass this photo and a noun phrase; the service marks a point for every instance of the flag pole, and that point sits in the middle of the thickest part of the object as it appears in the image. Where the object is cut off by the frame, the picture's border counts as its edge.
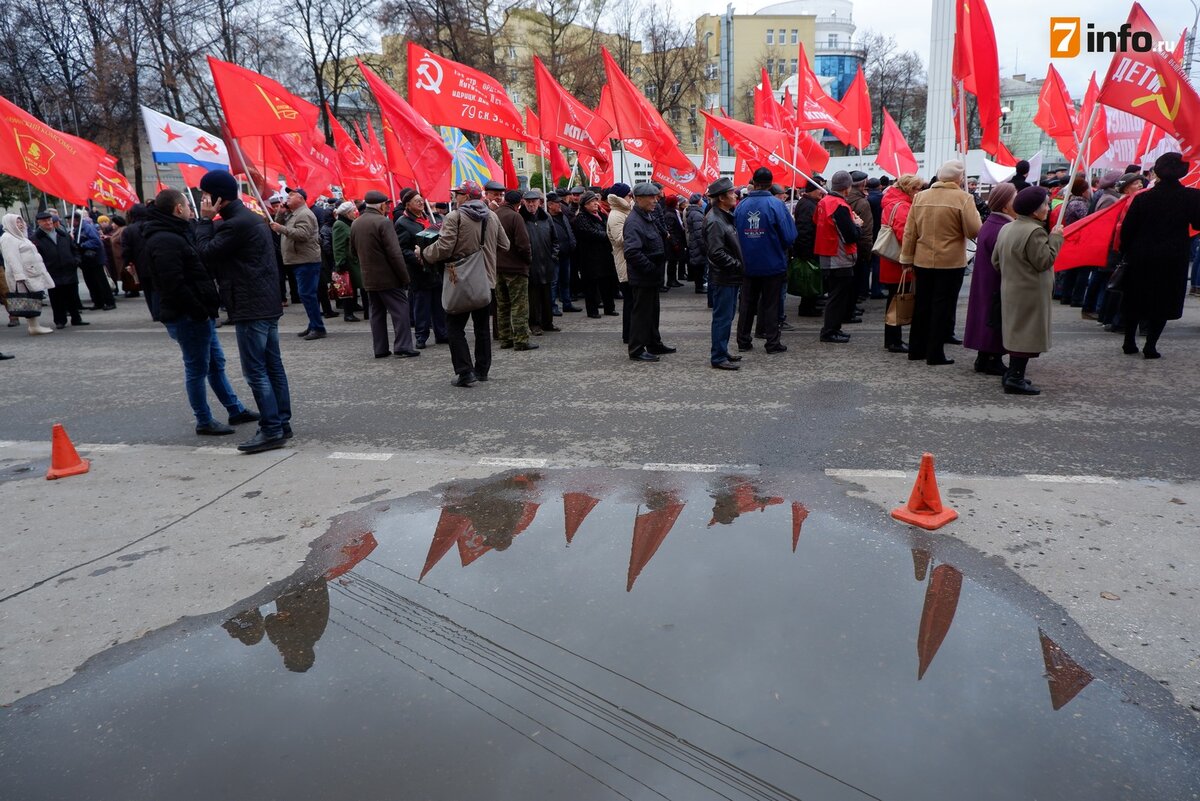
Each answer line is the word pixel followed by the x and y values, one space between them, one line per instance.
pixel 799 171
pixel 963 144
pixel 1087 134
pixel 896 156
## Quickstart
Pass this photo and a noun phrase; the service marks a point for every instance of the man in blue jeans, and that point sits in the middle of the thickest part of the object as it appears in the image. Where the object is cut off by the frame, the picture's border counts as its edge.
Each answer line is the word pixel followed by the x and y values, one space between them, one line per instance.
pixel 242 254
pixel 300 244
pixel 725 269
pixel 188 304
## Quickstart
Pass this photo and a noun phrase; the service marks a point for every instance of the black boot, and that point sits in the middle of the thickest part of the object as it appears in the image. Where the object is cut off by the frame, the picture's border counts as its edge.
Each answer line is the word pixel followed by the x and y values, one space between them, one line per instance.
pixel 1015 382
pixel 990 364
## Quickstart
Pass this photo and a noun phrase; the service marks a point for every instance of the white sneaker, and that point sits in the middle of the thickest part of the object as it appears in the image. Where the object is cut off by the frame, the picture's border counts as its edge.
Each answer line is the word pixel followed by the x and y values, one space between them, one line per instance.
pixel 41 329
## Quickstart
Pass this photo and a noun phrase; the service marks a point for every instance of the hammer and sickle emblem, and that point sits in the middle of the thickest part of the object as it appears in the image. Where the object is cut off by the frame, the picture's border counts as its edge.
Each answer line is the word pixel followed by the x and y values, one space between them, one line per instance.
pixel 430 73
pixel 1167 111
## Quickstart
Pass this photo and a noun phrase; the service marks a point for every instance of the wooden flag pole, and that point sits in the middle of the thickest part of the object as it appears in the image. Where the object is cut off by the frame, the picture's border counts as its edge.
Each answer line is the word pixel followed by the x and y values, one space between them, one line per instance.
pixel 1087 135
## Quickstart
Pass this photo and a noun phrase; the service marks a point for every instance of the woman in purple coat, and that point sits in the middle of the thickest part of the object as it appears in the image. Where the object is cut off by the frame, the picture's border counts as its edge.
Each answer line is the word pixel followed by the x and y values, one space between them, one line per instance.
pixel 983 332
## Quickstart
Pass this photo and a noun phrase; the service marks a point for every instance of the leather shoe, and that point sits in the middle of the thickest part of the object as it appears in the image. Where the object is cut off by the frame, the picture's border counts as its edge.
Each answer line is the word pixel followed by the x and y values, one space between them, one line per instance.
pixel 786 326
pixel 852 321
pixel 939 363
pixel 901 348
pixel 214 429
pixel 463 379
pixel 594 316
pixel 746 347
pixel 329 315
pixel 839 339
pixel 525 346
pixel 350 318
pixel 776 349
pixel 552 329
pixel 60 326
pixel 316 335
pixel 383 355
pixel 260 442
pixel 613 313
pixel 304 333
pixel 663 350
pixel 726 366
pixel 244 416
pixel 420 346
pixel 80 322
pixel 481 376
pixel 287 431
pixel 407 354
pixel 109 307
pixel 4 358
pixel 571 308
pixel 643 357
pixel 953 340
pixel 733 358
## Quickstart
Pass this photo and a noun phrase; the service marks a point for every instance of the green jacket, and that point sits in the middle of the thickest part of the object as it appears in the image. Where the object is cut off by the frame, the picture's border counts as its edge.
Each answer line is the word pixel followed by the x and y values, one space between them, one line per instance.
pixel 343 258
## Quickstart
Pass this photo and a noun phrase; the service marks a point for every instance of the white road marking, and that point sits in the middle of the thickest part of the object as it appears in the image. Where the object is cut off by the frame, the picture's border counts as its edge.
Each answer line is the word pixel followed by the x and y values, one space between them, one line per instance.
pixel 215 451
pixel 102 447
pixel 7 443
pixel 363 457
pixel 841 473
pixel 1069 479
pixel 664 467
pixel 500 461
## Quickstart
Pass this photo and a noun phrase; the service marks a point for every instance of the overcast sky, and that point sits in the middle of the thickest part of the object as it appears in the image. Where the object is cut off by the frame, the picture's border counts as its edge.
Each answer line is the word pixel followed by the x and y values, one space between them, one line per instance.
pixel 1022 28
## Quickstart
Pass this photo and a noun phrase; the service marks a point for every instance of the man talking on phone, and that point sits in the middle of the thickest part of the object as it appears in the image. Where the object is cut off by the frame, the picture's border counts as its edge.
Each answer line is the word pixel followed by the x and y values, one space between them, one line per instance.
pixel 241 254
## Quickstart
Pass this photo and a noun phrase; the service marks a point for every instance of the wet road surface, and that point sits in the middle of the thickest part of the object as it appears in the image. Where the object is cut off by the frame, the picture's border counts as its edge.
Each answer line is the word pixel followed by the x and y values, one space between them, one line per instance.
pixel 605 635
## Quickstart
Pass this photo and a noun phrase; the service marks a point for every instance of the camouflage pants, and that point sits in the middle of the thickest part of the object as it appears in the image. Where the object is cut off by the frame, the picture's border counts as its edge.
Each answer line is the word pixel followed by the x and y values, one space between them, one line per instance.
pixel 512 309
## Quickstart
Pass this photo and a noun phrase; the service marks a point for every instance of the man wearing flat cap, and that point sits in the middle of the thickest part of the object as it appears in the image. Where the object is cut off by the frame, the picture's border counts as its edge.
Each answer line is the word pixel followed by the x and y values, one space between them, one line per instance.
pixel 298 231
pixel 725 269
pixel 645 260
pixel 543 262
pixel 860 204
pixel 374 243
pixel 493 194
pixel 766 232
pixel 512 276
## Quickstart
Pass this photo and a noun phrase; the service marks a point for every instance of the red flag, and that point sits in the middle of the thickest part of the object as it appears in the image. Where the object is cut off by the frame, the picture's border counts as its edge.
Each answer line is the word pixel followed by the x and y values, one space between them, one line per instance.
pixel 357 177
pixel 191 174
pixel 565 120
pixel 1097 144
pixel 111 188
pixel 493 168
pixel 448 93
pixel 378 162
pixel 815 108
pixel 677 182
pixel 1087 242
pixel 895 156
pixel 750 141
pixel 256 105
pixel 57 163
pixel 977 65
pixel 421 145
pixel 816 156
pixel 537 145
pixel 559 168
pixel 159 186
pixel 710 168
pixel 1004 156
pixel 787 109
pixel 599 169
pixel 310 162
pixel 636 118
pixel 1056 112
pixel 766 110
pixel 856 111
pixel 1153 87
pixel 510 171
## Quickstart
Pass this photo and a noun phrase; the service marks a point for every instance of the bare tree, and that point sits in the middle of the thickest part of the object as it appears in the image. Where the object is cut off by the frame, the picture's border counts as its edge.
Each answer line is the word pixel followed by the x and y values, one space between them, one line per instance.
pixel 895 79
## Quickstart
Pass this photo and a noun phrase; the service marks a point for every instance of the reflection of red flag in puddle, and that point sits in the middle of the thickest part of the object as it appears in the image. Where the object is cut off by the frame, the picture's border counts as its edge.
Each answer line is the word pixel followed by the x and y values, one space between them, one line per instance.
pixel 473 545
pixel 355 551
pixel 799 515
pixel 576 507
pixel 1064 675
pixel 941 600
pixel 746 499
pixel 649 531
pixel 920 563
pixel 450 528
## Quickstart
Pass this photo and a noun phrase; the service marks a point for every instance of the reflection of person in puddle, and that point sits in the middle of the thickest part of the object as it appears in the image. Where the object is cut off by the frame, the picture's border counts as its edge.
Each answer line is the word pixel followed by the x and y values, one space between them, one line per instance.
pixel 497 510
pixel 733 499
pixel 298 622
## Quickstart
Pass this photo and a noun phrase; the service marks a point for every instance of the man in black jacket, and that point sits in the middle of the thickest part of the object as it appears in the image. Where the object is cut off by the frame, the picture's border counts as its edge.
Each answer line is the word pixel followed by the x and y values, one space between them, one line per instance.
pixel 543 262
pixel 61 256
pixel 646 261
pixel 725 269
pixel 805 215
pixel 560 288
pixel 187 306
pixel 425 289
pixel 241 253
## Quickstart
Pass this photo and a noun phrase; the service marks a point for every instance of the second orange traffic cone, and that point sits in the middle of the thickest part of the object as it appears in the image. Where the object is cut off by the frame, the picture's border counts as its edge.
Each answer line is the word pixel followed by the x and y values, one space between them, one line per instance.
pixel 64 460
pixel 924 508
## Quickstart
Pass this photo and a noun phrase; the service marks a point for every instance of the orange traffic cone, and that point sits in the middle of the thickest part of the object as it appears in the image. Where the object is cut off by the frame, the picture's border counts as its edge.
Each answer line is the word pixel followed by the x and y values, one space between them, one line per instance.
pixel 64 461
pixel 924 508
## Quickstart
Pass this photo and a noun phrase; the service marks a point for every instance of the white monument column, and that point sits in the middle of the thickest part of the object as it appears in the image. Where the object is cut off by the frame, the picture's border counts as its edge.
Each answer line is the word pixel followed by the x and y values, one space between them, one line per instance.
pixel 939 124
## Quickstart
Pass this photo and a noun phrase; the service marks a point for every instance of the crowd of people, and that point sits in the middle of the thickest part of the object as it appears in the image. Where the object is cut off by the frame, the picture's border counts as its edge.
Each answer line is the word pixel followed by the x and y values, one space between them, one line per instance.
pixel 513 263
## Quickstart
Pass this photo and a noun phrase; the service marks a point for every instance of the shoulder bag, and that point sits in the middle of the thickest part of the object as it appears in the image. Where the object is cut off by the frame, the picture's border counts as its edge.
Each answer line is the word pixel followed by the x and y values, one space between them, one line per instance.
pixel 465 284
pixel 900 309
pixel 887 246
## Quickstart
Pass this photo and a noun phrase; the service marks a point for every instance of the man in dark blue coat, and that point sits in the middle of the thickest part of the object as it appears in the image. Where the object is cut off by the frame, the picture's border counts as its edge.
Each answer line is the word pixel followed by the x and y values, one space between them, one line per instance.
pixel 766 232
pixel 645 260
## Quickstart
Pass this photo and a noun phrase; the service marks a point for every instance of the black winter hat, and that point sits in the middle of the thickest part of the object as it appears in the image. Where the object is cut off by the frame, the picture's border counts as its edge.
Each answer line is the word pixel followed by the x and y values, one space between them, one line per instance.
pixel 1170 167
pixel 220 184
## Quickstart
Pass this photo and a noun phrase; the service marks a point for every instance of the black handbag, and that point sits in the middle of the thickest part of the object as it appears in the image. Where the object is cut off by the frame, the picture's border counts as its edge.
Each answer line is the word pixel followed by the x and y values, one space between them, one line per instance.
pixel 24 304
pixel 1116 281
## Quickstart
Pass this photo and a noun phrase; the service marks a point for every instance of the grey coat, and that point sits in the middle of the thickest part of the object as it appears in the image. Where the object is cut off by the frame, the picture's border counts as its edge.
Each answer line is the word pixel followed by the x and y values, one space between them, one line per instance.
pixel 1024 254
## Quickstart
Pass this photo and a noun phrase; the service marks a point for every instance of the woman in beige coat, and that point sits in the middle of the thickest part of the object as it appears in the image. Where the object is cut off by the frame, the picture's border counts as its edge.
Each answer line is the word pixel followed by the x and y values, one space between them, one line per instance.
pixel 24 270
pixel 1024 254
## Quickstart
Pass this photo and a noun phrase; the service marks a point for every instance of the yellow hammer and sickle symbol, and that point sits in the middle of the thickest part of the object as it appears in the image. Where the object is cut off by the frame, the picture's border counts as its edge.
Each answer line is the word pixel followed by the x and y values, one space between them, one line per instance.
pixel 1157 97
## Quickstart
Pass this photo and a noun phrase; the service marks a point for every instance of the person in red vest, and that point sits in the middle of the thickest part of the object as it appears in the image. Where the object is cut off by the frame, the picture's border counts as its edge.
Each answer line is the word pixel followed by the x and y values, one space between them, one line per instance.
pixel 838 229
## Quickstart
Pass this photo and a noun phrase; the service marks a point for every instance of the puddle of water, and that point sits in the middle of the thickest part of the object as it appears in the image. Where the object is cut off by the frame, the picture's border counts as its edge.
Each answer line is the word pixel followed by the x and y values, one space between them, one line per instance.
pixel 605 636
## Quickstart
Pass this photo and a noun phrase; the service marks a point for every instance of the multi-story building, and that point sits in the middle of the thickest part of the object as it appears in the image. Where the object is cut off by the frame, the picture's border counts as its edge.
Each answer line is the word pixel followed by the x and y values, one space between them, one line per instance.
pixel 1019 104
